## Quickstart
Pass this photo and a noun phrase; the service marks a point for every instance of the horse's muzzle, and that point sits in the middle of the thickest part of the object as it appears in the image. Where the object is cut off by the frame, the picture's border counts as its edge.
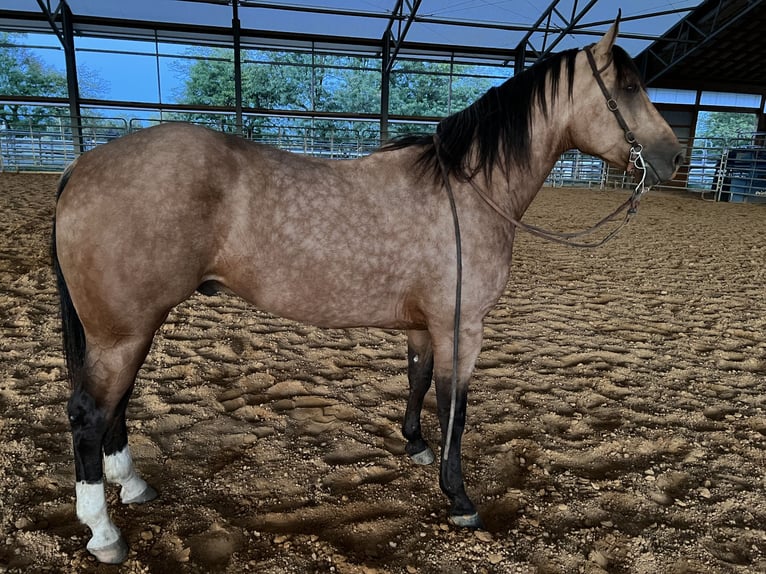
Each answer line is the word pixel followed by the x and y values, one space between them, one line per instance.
pixel 663 164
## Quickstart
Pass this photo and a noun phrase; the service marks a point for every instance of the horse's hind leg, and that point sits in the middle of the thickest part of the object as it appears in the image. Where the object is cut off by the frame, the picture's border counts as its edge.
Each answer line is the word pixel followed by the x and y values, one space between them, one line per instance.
pixel 96 414
pixel 420 366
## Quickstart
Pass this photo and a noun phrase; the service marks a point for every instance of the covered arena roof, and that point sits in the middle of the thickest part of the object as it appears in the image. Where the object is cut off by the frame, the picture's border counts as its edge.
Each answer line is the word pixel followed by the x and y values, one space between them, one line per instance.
pixel 699 44
pixel 718 46
pixel 520 29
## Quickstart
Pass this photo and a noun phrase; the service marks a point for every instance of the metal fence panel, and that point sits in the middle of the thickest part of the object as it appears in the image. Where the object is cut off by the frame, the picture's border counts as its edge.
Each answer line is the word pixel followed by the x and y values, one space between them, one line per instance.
pixel 718 170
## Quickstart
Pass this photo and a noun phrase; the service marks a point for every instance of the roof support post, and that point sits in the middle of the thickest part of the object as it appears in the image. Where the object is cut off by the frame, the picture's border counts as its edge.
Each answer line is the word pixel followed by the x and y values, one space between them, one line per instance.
pixel 573 20
pixel 402 26
pixel 393 38
pixel 73 88
pixel 521 49
pixel 66 37
pixel 236 29
pixel 385 87
pixel 700 28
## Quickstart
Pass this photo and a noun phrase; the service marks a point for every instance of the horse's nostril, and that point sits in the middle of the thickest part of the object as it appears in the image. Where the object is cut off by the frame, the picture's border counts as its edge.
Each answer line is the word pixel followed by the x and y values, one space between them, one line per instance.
pixel 679 159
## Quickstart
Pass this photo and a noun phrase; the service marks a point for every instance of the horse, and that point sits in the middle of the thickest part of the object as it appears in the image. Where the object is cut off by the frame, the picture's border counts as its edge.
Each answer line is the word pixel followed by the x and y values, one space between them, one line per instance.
pixel 145 221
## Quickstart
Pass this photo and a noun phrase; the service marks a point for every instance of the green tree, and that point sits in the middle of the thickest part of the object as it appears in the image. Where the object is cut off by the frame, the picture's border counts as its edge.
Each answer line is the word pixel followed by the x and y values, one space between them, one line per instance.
pixel 22 73
pixel 724 128
pixel 420 89
pixel 299 81
pixel 351 84
pixel 209 81
pixel 471 83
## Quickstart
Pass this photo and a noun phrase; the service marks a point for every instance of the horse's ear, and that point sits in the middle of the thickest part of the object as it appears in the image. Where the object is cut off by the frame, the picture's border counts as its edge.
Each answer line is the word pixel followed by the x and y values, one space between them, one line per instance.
pixel 604 46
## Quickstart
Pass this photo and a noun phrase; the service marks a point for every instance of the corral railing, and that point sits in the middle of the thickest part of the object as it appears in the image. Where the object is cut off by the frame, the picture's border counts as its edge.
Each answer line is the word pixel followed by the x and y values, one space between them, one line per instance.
pixel 720 170
pixel 51 148
pixel 732 169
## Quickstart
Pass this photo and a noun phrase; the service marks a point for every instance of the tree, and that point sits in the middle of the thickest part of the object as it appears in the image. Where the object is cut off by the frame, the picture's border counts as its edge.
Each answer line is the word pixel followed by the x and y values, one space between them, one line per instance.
pixel 350 85
pixel 210 82
pixel 420 89
pixel 306 82
pixel 722 129
pixel 22 73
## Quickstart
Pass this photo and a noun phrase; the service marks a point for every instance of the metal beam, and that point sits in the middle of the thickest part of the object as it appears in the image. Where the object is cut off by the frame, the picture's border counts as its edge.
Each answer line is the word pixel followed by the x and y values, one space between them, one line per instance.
pixel 73 88
pixel 66 36
pixel 236 31
pixel 385 87
pixel 569 25
pixel 391 43
pixel 398 26
pixel 521 48
pixel 697 30
pixel 188 31
pixel 51 15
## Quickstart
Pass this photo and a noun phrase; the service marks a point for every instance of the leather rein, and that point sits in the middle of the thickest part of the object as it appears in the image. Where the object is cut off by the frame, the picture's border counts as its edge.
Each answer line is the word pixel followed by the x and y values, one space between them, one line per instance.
pixel 630 206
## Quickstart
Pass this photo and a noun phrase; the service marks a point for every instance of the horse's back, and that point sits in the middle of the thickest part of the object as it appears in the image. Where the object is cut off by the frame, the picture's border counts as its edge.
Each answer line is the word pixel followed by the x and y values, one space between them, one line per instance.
pixel 163 151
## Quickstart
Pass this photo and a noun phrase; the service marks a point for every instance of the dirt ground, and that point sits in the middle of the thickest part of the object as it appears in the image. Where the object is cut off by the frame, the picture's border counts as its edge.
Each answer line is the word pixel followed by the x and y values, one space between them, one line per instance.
pixel 616 418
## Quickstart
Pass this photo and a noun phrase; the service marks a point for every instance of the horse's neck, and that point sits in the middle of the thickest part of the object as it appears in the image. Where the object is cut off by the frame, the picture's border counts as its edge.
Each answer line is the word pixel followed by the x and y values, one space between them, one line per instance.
pixel 519 187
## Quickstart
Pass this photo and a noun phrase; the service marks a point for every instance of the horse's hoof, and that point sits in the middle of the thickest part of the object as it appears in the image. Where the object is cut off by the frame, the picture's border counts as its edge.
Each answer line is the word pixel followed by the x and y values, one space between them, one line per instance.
pixel 424 457
pixel 466 520
pixel 114 553
pixel 148 494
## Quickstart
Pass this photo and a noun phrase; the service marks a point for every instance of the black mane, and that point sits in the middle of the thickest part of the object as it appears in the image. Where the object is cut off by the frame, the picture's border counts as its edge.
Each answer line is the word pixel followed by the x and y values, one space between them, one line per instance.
pixel 496 127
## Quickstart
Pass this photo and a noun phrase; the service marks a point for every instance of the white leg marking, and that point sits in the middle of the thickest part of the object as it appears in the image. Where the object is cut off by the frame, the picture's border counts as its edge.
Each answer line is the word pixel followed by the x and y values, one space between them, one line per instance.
pixel 91 510
pixel 118 467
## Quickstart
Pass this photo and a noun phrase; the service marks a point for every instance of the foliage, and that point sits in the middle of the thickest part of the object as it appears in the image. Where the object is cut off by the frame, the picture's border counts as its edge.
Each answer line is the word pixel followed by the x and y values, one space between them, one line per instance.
pixel 23 73
pixel 723 129
pixel 286 81
pixel 305 82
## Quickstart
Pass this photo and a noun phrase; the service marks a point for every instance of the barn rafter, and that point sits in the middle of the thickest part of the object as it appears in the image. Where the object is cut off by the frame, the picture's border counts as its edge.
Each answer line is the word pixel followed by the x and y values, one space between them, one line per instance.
pixel 717 46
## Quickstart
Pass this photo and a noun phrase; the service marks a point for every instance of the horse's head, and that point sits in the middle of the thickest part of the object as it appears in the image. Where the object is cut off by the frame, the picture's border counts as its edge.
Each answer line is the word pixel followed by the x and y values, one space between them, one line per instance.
pixel 613 113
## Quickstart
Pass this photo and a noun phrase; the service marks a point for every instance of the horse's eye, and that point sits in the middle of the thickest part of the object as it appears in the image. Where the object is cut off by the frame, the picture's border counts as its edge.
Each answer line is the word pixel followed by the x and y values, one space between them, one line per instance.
pixel 631 88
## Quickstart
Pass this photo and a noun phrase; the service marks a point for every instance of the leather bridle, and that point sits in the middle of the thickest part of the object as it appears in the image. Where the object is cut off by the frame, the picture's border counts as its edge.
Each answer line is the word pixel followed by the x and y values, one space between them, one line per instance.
pixel 636 149
pixel 611 103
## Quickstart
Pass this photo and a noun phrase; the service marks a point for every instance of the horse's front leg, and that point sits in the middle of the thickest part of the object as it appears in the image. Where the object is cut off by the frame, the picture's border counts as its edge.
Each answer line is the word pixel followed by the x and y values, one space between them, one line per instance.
pixel 452 400
pixel 420 368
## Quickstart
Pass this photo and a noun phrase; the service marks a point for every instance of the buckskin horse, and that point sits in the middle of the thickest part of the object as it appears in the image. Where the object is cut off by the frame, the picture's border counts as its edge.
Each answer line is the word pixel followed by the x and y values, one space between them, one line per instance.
pixel 145 221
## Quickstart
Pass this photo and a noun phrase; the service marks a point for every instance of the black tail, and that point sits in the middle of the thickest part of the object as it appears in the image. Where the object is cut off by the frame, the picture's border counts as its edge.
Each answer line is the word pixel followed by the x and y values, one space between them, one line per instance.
pixel 72 331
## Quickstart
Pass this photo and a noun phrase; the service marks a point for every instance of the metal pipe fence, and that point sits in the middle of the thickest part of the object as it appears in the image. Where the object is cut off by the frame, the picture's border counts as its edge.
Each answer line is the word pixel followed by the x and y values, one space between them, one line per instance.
pixel 720 170
pixel 51 148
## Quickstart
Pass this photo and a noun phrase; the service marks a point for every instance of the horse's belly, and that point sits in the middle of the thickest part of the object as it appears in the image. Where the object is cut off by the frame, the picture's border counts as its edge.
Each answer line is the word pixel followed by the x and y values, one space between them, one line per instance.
pixel 326 304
